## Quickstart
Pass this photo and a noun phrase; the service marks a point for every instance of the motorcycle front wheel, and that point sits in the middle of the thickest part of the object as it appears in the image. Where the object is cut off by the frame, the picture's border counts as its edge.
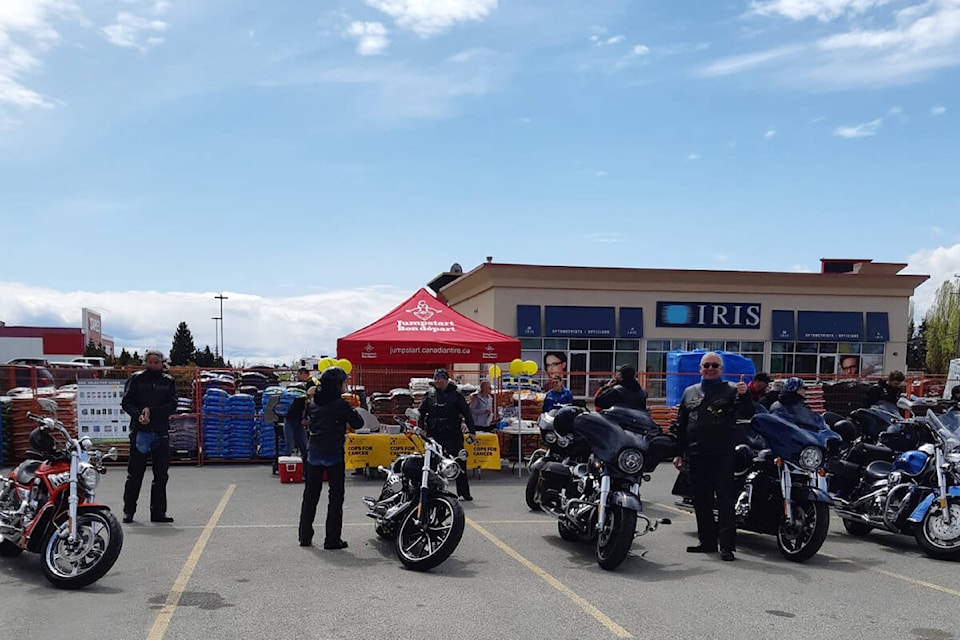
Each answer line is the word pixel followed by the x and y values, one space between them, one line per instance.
pixel 74 565
pixel 423 545
pixel 800 541
pixel 938 538
pixel 616 536
pixel 533 483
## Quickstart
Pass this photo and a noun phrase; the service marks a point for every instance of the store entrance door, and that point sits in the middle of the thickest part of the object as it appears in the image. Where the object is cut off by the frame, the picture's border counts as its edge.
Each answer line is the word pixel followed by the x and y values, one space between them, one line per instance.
pixel 579 365
pixel 827 367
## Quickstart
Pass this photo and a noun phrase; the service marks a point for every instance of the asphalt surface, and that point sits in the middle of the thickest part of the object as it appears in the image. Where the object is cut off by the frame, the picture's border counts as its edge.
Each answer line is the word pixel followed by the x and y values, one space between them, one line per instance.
pixel 511 577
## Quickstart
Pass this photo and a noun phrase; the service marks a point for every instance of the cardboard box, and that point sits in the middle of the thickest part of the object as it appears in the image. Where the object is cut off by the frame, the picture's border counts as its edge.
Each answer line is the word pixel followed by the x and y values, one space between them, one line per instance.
pixel 291 469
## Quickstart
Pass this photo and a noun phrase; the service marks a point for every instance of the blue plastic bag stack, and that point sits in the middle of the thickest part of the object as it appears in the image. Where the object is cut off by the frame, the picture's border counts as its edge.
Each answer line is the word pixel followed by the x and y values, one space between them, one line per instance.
pixel 214 423
pixel 241 411
pixel 266 440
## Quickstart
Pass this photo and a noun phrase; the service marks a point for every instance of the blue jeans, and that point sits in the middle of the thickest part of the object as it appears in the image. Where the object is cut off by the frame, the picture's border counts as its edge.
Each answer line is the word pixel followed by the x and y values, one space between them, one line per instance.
pixel 294 436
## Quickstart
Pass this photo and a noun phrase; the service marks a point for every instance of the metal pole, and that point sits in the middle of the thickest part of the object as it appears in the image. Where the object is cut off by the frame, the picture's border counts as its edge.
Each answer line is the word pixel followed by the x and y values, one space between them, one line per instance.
pixel 216 337
pixel 223 347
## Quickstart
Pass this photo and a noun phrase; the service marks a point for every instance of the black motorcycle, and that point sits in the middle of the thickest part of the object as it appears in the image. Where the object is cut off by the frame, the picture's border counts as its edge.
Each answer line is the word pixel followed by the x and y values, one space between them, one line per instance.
pixel 914 493
pixel 415 509
pixel 599 500
pixel 781 483
pixel 569 450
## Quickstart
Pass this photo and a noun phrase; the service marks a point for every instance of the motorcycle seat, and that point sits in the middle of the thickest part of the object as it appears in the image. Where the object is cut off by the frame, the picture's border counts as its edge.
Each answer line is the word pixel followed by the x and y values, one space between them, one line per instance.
pixel 26 471
pixel 878 470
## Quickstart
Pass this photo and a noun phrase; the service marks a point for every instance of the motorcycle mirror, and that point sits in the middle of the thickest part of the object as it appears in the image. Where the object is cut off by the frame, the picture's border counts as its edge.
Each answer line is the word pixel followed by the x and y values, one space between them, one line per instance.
pixel 462 455
pixel 111 454
pixel 412 413
pixel 48 404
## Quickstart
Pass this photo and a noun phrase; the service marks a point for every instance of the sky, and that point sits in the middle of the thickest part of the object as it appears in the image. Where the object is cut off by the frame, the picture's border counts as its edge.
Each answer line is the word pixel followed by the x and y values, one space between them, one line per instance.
pixel 317 162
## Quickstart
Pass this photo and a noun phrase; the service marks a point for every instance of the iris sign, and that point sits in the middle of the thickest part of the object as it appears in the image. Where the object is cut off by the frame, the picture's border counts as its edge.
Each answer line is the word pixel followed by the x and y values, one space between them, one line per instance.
pixel 709 315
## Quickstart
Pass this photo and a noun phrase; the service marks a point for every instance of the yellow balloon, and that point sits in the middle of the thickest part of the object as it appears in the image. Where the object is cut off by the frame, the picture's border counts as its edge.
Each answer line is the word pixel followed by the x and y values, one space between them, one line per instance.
pixel 495 371
pixel 529 367
pixel 325 363
pixel 346 365
pixel 516 366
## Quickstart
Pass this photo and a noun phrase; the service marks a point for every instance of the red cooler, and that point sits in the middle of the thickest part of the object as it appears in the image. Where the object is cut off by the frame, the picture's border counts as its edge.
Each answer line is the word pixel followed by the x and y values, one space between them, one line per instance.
pixel 291 469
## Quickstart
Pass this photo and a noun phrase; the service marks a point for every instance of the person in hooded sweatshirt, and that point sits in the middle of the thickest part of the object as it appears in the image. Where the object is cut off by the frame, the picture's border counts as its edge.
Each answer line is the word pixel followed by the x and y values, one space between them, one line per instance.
pixel 328 417
pixel 706 422
pixel 149 397
pixel 622 391
pixel 792 405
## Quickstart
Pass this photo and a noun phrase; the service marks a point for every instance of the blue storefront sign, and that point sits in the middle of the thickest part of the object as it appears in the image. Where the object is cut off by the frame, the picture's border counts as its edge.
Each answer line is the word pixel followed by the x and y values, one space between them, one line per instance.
pixel 878 327
pixel 528 320
pixel 813 326
pixel 631 322
pixel 580 322
pixel 783 325
pixel 709 315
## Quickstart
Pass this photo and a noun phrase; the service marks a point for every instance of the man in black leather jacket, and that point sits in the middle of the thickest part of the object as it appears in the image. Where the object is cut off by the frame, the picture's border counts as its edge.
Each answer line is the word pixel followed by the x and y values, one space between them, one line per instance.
pixel 706 420
pixel 888 390
pixel 150 397
pixel 622 391
pixel 440 413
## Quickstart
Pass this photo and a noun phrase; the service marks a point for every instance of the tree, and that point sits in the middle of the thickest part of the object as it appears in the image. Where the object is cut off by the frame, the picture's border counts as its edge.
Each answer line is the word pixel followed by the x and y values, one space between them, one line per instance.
pixel 204 358
pixel 182 349
pixel 943 328
pixel 135 359
pixel 95 350
pixel 124 359
pixel 917 347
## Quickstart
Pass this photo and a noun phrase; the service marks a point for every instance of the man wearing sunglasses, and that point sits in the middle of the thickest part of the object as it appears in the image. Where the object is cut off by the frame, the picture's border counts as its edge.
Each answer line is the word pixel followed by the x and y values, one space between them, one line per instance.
pixel 706 420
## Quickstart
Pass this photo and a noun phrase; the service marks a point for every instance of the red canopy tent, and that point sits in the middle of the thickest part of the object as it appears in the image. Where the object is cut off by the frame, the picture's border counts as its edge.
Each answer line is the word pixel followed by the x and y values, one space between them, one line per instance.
pixel 423 330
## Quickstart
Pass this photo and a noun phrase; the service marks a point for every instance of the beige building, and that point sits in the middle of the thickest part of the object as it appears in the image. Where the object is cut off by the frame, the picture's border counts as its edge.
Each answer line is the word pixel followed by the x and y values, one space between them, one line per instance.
pixel 851 319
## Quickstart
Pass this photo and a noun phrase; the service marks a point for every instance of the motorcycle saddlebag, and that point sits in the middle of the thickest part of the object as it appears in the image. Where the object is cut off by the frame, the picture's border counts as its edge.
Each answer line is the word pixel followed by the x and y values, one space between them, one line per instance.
pixel 554 476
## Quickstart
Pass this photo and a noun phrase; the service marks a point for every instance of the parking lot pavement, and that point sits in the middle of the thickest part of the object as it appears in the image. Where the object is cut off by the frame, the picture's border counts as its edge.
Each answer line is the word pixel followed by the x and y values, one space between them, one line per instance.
pixel 230 567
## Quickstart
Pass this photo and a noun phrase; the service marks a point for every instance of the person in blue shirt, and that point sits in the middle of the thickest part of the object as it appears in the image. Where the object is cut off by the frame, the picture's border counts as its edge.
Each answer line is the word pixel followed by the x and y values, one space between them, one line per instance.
pixel 557 396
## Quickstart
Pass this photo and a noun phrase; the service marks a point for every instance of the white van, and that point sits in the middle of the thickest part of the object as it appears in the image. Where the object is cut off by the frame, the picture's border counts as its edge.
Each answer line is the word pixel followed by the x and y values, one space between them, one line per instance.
pixel 92 361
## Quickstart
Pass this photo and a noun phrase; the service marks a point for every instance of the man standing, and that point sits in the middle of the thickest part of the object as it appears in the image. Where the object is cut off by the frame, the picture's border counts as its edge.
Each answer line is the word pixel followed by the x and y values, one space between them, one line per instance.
pixel 440 413
pixel 706 421
pixel 758 390
pixel 294 423
pixel 623 391
pixel 150 397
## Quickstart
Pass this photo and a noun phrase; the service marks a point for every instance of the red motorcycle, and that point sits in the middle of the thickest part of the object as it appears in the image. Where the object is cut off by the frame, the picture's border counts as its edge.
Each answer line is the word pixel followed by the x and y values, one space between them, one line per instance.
pixel 47 507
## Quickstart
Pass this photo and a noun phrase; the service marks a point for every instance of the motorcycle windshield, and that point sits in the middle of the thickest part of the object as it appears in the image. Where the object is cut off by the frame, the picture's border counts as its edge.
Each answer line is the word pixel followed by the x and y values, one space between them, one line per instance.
pixel 606 438
pixel 785 439
pixel 947 427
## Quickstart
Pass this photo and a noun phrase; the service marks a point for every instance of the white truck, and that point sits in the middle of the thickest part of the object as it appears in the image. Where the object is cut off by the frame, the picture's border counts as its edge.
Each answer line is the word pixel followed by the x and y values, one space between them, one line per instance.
pixel 953 377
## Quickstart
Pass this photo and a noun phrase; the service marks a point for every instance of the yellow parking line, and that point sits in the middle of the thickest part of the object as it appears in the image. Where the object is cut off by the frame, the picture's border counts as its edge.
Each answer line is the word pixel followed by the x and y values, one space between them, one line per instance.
pixel 159 628
pixel 601 617
pixel 882 572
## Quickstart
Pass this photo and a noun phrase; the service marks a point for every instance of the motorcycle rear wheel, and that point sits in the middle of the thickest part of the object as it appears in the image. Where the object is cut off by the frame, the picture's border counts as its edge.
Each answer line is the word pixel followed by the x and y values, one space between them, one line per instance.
pixel 801 541
pixel 77 565
pixel 422 548
pixel 530 494
pixel 855 528
pixel 9 550
pixel 616 536
pixel 936 537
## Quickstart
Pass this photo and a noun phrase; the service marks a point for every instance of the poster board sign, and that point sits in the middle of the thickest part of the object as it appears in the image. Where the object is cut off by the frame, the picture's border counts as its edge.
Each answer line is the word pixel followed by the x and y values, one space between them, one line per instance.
pixel 381 449
pixel 99 413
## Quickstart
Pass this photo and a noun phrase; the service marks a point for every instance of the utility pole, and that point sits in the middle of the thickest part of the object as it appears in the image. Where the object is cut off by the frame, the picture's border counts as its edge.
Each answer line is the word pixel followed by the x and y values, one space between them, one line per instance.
pixel 216 336
pixel 223 347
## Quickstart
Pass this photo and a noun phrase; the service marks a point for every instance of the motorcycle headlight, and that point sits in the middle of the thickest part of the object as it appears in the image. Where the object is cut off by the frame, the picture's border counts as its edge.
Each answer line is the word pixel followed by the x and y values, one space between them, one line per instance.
pixel 811 458
pixel 89 477
pixel 630 461
pixel 563 441
pixel 550 437
pixel 86 444
pixel 449 469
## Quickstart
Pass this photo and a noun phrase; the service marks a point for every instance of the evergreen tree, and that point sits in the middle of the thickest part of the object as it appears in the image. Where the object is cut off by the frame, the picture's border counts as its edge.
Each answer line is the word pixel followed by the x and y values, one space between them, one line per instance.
pixel 95 350
pixel 124 359
pixel 204 358
pixel 917 347
pixel 182 349
pixel 135 359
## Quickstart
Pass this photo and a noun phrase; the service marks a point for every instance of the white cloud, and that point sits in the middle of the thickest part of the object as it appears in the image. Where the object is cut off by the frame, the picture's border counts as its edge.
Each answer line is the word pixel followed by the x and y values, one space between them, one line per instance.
pixel 895 111
pixel 431 17
pixel 818 119
pixel 721 257
pixel 371 37
pixel 616 39
pixel 746 62
pixel 641 50
pixel 941 264
pixel 526 120
pixel 769 133
pixel 309 324
pixel 473 55
pixel 822 10
pixel 605 237
pixel 26 34
pixel 693 156
pixel 938 110
pixel 799 268
pixel 864 130
pixel 600 174
pixel 134 31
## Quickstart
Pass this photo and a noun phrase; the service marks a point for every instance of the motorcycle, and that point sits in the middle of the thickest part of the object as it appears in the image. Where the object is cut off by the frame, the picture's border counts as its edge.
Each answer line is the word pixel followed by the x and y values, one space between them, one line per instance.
pixel 599 500
pixel 414 507
pixel 918 493
pixel 47 506
pixel 781 483
pixel 565 449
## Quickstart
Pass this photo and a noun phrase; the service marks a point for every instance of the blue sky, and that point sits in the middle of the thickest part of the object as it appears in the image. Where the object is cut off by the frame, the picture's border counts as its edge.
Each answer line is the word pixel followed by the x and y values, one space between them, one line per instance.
pixel 328 158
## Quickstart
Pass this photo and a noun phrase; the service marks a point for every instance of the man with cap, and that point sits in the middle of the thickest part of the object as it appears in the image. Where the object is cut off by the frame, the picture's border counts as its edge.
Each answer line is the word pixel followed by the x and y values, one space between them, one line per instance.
pixel 622 391
pixel 758 388
pixel 295 422
pixel 441 412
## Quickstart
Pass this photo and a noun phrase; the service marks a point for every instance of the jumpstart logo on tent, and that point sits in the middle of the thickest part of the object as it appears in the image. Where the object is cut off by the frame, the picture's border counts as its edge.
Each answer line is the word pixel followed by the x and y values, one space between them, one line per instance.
pixel 369 352
pixel 489 353
pixel 423 312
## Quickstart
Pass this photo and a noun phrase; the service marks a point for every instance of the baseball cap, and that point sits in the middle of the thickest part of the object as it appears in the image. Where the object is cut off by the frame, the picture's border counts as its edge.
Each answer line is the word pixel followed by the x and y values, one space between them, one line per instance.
pixel 763 377
pixel 441 373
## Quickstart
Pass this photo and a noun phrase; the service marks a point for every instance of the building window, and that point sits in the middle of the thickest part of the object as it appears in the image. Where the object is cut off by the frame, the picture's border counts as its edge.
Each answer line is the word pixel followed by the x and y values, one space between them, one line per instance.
pixel 826 360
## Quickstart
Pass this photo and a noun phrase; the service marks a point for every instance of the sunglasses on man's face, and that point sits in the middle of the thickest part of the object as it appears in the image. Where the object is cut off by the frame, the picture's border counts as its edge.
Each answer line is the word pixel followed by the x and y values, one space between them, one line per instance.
pixel 710 365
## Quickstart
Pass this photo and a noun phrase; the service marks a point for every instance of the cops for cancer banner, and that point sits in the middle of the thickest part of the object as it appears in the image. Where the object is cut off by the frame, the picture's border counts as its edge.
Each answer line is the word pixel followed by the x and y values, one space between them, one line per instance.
pixel 380 449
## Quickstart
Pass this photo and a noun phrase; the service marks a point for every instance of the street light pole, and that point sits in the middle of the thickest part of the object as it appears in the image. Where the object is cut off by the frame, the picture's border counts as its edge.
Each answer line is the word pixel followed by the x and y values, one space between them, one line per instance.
pixel 223 347
pixel 216 336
